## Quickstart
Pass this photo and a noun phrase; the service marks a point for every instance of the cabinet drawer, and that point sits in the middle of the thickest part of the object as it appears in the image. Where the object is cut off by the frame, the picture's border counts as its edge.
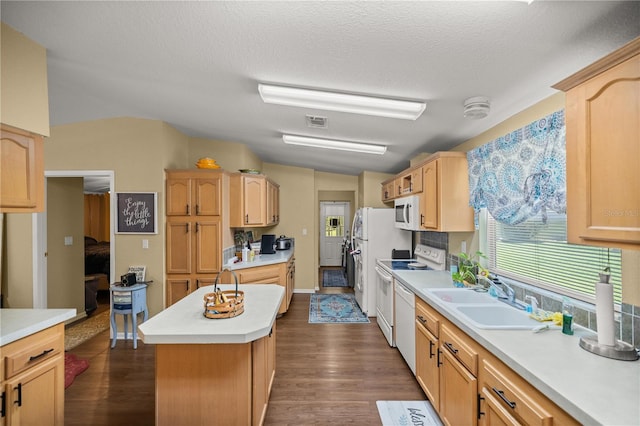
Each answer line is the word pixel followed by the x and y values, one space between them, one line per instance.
pixel 259 274
pixel 32 350
pixel 425 317
pixel 513 397
pixel 453 340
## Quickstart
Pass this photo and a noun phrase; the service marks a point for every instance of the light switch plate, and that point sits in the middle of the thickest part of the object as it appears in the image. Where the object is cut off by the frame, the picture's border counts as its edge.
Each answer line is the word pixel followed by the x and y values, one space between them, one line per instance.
pixel 145 244
pixel 68 241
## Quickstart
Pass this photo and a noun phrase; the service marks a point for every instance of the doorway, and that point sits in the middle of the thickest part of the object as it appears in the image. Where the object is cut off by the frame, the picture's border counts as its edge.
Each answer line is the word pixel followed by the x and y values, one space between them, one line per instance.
pixel 40 230
pixel 333 231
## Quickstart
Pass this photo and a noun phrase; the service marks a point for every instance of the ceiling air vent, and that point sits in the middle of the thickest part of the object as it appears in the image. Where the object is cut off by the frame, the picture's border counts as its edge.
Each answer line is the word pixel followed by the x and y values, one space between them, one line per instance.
pixel 317 121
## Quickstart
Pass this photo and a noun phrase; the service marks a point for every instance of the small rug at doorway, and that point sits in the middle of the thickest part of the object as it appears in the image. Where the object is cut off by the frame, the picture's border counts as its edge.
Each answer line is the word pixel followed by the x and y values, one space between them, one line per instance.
pixel 401 413
pixel 72 367
pixel 335 308
pixel 84 330
pixel 334 278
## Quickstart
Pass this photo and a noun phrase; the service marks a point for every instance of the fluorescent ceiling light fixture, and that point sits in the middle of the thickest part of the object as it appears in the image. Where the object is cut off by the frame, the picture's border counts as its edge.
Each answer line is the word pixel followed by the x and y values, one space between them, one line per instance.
pixel 344 102
pixel 334 144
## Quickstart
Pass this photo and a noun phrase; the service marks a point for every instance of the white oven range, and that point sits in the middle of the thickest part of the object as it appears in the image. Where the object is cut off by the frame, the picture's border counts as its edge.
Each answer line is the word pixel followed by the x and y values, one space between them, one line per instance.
pixel 395 305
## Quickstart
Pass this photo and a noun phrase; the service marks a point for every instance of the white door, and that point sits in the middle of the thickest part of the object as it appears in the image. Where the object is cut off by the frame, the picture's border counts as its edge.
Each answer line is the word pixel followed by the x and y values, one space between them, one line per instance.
pixel 333 231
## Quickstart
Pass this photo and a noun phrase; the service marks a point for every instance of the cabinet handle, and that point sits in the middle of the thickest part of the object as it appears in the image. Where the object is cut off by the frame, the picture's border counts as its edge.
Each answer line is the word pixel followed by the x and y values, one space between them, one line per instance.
pixel 451 348
pixel 422 320
pixel 188 210
pixel 197 284
pixel 480 412
pixel 3 404
pixel 186 228
pixel 504 398
pixel 246 218
pixel 411 187
pixel 197 209
pixel 197 227
pixel 431 354
pixel 33 358
pixel 421 219
pixel 271 332
pixel 438 362
pixel 19 400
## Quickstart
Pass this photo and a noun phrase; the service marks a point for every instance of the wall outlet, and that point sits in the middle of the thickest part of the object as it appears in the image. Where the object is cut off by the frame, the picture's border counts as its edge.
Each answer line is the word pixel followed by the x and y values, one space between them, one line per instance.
pixel 304 231
pixel 463 247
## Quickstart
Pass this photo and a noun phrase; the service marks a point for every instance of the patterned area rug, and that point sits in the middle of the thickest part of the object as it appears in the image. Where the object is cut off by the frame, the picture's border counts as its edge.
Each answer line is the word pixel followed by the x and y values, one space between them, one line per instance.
pixel 395 413
pixel 335 308
pixel 334 278
pixel 72 367
pixel 85 330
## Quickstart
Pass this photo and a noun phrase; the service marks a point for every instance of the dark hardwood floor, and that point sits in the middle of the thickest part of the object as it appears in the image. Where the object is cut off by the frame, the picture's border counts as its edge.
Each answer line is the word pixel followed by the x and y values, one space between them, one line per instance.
pixel 326 374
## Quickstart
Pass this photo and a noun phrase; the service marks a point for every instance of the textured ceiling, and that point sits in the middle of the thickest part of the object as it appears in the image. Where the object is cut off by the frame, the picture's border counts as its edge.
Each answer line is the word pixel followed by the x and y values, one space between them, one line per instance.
pixel 197 65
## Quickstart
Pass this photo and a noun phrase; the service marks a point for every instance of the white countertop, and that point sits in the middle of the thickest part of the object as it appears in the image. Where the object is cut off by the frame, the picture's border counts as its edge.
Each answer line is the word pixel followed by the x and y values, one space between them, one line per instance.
pixel 591 388
pixel 279 256
pixel 18 323
pixel 184 321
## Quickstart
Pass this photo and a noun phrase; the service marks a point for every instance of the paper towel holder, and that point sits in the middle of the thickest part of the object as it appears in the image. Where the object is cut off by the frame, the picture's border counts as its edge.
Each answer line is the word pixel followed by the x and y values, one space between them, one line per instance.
pixel 622 351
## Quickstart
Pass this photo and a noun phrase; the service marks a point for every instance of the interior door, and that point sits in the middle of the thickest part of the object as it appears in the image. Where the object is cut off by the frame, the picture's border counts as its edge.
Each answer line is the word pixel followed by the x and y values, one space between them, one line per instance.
pixel 333 231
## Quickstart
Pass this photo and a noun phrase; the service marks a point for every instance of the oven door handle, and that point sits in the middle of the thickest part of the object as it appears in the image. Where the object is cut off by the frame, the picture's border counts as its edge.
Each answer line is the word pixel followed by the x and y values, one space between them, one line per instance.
pixel 383 274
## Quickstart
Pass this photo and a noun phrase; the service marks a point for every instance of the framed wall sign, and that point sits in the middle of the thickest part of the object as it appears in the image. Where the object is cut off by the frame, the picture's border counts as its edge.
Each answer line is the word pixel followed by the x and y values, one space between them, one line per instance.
pixel 136 212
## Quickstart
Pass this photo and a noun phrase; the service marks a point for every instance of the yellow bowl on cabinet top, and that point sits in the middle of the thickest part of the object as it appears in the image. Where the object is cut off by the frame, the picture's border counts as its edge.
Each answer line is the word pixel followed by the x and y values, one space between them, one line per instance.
pixel 207 163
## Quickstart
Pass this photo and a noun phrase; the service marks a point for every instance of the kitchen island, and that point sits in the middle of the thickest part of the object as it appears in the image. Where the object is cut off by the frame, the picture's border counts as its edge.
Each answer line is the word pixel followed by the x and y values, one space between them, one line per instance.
pixel 217 371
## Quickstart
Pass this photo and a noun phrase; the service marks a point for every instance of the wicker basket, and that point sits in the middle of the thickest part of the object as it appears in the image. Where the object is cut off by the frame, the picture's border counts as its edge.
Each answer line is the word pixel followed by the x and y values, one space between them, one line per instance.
pixel 224 304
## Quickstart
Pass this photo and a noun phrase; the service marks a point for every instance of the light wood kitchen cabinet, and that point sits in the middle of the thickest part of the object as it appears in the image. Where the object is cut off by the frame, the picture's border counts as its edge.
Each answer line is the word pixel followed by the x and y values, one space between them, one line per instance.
pixel 409 182
pixel 282 274
pixel 506 398
pixel 193 230
pixel 255 201
pixel 21 171
pixel 388 190
pixel 427 353
pixel 32 379
pixel 264 364
pixel 194 193
pixel 602 117
pixel 444 201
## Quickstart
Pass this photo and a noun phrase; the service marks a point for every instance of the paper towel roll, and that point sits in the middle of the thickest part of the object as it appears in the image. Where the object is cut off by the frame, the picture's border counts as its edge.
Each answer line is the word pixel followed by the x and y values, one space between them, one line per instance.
pixel 604 314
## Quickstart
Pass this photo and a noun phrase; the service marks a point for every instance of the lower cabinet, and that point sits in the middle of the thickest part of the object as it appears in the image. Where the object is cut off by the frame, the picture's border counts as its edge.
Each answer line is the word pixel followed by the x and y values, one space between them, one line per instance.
pixel 279 273
pixel 468 385
pixel 32 379
pixel 225 384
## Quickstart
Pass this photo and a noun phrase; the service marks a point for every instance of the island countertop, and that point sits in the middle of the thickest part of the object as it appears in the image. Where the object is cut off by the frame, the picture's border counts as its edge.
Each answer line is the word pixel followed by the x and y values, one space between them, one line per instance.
pixel 18 323
pixel 184 321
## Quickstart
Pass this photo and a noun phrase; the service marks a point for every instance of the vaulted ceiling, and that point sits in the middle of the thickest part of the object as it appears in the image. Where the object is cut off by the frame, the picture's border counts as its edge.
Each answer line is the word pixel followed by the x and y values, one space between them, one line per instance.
pixel 197 65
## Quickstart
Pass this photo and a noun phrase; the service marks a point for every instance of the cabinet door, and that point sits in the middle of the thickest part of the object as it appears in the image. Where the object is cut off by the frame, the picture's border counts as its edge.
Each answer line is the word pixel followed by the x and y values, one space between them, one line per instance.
pixel 458 389
pixel 603 158
pixel 254 201
pixel 416 180
pixel 36 397
pixel 271 359
pixel 207 236
pixel 179 247
pixel 427 360
pixel 493 414
pixel 177 288
pixel 260 380
pixel 21 172
pixel 429 201
pixel 208 197
pixel 179 197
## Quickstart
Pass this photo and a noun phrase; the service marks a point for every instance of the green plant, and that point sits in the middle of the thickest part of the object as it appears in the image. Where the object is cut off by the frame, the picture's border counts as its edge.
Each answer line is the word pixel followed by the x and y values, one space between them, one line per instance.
pixel 468 268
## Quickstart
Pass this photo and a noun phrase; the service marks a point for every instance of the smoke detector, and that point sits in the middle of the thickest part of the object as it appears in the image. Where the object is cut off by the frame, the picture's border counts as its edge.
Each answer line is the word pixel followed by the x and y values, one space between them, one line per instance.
pixel 477 107
pixel 317 121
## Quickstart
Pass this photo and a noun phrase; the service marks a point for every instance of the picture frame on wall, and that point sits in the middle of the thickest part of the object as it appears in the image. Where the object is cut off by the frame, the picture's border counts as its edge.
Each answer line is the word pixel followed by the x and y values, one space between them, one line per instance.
pixel 136 212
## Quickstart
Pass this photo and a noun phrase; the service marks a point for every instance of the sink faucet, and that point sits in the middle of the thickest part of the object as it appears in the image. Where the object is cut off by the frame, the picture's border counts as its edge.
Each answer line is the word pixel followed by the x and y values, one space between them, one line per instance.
pixel 505 292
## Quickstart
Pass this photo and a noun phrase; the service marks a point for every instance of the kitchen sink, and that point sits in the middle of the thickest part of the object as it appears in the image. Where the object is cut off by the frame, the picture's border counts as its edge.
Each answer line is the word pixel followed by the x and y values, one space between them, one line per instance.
pixel 462 295
pixel 497 316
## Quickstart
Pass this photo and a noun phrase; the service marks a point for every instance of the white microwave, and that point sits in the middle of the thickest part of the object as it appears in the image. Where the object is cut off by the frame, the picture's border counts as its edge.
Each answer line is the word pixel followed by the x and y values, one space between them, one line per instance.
pixel 408 213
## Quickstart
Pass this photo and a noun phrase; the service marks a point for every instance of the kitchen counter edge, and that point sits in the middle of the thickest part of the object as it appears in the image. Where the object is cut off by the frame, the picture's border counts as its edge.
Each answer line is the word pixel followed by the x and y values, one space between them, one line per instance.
pixel 16 324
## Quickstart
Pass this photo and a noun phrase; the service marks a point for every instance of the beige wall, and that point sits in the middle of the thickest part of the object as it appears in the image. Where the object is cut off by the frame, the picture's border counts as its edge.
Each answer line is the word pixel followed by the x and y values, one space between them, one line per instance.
pixel 138 151
pixel 65 263
pixel 370 189
pixel 24 98
pixel 230 156
pixel 297 215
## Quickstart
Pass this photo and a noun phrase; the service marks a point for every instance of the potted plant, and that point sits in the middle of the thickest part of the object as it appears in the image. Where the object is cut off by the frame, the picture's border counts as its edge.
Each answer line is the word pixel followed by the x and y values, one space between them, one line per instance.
pixel 468 268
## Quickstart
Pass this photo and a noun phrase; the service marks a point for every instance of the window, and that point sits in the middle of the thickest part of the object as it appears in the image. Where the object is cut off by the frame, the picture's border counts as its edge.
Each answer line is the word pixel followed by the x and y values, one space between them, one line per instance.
pixel 334 226
pixel 538 254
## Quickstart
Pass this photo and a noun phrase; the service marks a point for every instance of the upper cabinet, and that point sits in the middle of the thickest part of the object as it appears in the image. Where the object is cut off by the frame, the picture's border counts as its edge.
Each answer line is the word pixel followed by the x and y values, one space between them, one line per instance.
pixel 444 201
pixel 21 171
pixel 603 151
pixel 194 193
pixel 408 182
pixel 255 201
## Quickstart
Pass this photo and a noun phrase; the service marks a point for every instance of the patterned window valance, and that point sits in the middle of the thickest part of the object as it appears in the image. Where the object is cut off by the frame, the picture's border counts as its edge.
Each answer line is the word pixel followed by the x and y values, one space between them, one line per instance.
pixel 522 173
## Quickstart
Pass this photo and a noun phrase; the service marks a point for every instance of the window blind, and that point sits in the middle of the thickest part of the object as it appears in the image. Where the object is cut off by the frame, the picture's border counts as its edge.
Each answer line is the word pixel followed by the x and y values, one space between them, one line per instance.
pixel 538 254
